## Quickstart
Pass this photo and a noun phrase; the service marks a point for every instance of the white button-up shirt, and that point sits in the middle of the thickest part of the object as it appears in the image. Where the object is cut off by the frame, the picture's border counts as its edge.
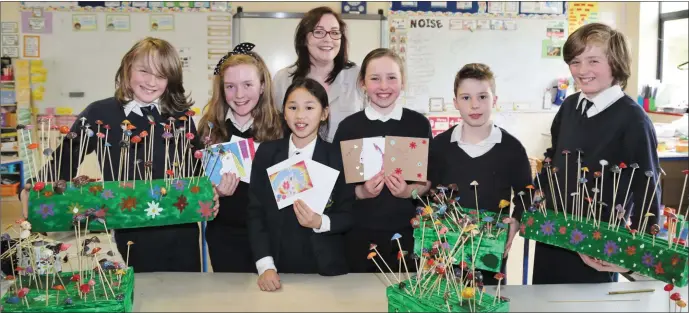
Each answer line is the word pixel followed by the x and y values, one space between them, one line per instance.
pixel 602 101
pixel 478 149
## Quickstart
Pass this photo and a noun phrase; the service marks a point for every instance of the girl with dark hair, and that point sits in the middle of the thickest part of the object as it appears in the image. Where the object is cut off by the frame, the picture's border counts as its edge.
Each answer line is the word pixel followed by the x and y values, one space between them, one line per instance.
pixel 295 239
pixel 321 44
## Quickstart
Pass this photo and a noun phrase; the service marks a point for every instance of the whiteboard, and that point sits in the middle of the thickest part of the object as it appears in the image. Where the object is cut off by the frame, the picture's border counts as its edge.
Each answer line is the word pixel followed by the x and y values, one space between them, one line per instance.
pixel 434 56
pixel 273 35
pixel 87 61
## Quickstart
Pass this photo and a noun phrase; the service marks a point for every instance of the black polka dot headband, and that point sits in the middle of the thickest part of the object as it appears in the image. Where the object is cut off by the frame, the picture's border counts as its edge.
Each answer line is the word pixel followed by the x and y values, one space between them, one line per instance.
pixel 242 48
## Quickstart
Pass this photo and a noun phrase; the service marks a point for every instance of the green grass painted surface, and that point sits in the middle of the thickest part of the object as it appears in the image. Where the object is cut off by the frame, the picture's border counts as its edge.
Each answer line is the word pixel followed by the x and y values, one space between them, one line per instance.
pixel 620 247
pixel 489 255
pixel 123 205
pixel 433 300
pixel 36 296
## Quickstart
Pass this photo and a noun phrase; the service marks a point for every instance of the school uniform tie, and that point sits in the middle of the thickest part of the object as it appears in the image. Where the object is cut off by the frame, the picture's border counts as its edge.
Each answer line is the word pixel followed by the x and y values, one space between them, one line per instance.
pixel 586 104
pixel 152 111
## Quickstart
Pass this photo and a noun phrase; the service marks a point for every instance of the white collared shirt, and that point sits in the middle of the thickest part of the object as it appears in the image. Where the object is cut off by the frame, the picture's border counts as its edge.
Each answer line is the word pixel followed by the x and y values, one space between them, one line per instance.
pixel 306 151
pixel 602 101
pixel 481 148
pixel 240 128
pixel 135 106
pixel 344 95
pixel 395 114
pixel 267 263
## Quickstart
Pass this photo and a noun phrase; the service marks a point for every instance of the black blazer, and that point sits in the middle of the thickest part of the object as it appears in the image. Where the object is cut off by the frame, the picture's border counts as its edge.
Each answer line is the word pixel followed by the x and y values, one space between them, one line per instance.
pixel 265 221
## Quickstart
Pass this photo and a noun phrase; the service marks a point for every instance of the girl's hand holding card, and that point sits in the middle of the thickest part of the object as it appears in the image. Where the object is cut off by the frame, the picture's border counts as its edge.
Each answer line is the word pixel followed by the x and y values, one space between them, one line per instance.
pixel 372 187
pixel 307 217
pixel 397 185
pixel 228 184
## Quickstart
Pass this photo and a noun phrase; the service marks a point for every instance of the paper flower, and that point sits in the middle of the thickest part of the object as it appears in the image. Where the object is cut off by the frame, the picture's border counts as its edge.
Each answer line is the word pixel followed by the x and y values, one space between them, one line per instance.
pixel 75 208
pixel 547 228
pixel 597 235
pixel 631 250
pixel 181 203
pixel 128 203
pixel 46 210
pixel 179 184
pixel 205 209
pixel 107 194
pixel 412 145
pixel 610 248
pixel 648 259
pixel 576 237
pixel 659 268
pixel 153 209
pixel 155 193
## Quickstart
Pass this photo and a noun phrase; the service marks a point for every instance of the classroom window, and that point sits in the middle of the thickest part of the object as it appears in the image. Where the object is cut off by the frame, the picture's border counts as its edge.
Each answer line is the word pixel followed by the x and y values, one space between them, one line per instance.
pixel 673 50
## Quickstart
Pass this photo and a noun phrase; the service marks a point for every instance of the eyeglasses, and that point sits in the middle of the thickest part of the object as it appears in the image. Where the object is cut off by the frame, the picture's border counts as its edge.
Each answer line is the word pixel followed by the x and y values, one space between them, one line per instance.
pixel 320 33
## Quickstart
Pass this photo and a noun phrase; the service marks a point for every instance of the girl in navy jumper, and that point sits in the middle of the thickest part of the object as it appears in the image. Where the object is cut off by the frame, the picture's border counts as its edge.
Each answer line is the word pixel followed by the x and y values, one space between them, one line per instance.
pixel 149 86
pixel 295 239
pixel 241 106
pixel 478 150
pixel 605 124
pixel 384 205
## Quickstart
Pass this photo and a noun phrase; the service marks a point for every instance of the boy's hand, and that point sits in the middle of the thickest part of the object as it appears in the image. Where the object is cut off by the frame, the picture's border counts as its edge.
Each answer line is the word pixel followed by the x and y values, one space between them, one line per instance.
pixel 269 281
pixel 228 184
pixel 601 265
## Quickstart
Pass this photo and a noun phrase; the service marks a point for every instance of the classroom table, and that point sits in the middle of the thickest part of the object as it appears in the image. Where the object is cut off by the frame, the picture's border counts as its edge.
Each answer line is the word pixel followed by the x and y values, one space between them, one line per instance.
pixel 365 293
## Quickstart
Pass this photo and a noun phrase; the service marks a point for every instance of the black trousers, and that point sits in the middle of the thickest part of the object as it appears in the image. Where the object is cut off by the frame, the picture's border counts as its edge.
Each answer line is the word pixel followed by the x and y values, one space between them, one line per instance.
pixel 358 241
pixel 229 249
pixel 173 248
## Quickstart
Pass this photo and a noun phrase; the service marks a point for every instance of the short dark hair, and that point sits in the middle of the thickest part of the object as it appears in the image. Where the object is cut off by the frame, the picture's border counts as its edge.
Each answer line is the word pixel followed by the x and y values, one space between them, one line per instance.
pixel 614 43
pixel 476 71
pixel 307 25
pixel 315 89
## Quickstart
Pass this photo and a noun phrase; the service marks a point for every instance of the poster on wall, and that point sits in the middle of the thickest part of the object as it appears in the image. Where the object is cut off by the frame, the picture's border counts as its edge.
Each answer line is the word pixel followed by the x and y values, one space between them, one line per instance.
pixel 37 22
pixel 32 46
pixel 117 23
pixel 84 22
pixel 10 27
pixel 10 52
pixel 162 22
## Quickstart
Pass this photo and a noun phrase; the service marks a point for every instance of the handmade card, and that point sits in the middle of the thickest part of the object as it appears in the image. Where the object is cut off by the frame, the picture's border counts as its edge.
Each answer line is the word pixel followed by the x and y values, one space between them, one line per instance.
pixel 288 179
pixel 407 156
pixel 235 157
pixel 324 179
pixel 362 158
pixel 301 178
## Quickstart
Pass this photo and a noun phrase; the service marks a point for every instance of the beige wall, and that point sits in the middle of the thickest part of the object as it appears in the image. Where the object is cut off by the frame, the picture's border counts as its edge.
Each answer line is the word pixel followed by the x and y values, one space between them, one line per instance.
pixel 626 16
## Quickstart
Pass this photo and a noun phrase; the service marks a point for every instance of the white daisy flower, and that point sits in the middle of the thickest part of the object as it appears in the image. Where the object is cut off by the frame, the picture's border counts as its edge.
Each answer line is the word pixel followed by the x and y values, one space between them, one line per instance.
pixel 153 209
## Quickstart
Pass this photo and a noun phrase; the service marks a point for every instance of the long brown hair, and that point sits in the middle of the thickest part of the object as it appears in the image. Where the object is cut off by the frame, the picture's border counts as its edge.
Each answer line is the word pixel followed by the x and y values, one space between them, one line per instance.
pixel 166 61
pixel 614 43
pixel 307 24
pixel 267 124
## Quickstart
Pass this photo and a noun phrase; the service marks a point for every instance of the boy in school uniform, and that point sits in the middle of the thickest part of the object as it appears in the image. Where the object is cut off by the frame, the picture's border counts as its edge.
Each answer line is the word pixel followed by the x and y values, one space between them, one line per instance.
pixel 478 150
pixel 149 87
pixel 605 124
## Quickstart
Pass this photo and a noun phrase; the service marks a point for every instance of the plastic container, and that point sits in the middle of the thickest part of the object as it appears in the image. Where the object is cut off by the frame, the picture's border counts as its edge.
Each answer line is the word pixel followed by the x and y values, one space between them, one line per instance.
pixel 9 190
